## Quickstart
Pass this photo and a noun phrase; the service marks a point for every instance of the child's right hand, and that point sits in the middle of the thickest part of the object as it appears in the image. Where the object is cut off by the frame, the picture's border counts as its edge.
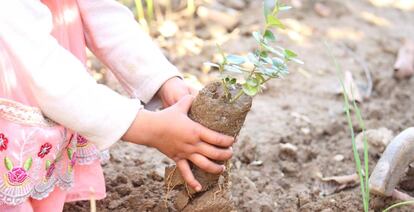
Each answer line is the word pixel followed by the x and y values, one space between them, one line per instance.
pixel 181 139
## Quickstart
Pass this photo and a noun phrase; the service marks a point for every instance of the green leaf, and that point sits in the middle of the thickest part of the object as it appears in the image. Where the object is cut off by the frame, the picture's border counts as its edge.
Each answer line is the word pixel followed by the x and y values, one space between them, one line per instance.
pixel 267 60
pixel 253 82
pixel 8 163
pixel 260 78
pixel 257 36
pixel 235 59
pixel 274 51
pixel 250 90
pixel 253 59
pixel 264 54
pixel 289 54
pixel 211 64
pixel 273 21
pixel 269 35
pixel 48 163
pixel 70 153
pixel 28 164
pixel 277 62
pixel 281 70
pixel 234 69
pixel 270 72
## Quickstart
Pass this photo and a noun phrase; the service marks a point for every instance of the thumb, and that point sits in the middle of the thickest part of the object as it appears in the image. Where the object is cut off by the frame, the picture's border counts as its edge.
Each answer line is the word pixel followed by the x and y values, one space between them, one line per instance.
pixel 185 103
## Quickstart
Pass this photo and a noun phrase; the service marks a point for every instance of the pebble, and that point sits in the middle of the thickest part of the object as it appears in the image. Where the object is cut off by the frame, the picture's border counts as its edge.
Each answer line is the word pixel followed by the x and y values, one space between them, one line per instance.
pixel 288 149
pixel 305 130
pixel 236 4
pixel 378 139
pixel 256 163
pixel 339 158
pixel 228 18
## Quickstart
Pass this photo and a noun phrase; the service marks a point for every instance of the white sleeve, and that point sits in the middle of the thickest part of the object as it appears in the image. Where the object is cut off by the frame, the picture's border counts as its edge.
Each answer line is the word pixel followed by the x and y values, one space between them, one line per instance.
pixel 63 89
pixel 116 38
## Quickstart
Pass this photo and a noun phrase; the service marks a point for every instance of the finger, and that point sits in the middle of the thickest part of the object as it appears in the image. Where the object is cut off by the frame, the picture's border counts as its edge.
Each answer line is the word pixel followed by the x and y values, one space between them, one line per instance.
pixel 188 176
pixel 193 91
pixel 185 103
pixel 179 94
pixel 213 152
pixel 215 138
pixel 206 164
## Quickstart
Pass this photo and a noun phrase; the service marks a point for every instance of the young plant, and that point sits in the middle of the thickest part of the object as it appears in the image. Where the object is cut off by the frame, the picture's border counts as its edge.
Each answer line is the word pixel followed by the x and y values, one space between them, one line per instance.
pixel 264 63
pixel 362 173
pixel 227 115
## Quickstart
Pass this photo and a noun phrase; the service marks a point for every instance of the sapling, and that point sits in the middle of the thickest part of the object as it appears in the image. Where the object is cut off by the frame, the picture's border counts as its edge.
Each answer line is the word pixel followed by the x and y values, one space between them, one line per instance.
pixel 222 106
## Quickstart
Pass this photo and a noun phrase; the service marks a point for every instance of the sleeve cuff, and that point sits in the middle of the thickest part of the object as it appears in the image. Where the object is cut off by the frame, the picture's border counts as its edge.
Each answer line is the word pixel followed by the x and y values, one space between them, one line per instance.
pixel 152 86
pixel 119 124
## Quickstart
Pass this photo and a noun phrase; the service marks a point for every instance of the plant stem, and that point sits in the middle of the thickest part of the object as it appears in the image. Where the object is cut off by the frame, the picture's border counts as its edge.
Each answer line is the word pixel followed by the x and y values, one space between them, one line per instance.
pixel 226 89
pixel 252 71
pixel 238 95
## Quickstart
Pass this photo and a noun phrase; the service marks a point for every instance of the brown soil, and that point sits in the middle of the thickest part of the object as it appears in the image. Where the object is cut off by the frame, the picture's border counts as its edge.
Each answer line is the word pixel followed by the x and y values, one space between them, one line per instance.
pixel 301 109
pixel 211 109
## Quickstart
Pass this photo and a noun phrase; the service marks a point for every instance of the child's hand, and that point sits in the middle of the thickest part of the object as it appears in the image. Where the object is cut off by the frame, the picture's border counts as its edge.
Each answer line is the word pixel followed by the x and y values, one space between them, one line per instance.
pixel 173 90
pixel 181 139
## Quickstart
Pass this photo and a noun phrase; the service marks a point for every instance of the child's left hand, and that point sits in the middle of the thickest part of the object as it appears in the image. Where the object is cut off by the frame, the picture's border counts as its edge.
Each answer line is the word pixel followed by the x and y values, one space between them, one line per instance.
pixel 173 90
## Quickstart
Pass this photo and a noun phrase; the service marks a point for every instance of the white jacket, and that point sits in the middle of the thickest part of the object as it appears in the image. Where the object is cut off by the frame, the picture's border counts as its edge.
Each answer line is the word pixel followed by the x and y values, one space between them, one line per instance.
pixel 63 89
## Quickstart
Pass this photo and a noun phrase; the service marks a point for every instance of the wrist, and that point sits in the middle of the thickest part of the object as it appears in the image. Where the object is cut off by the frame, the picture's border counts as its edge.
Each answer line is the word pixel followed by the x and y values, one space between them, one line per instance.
pixel 163 91
pixel 142 130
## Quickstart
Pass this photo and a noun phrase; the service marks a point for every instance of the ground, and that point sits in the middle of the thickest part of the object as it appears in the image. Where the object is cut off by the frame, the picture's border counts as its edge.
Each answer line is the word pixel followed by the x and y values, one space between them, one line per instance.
pixel 302 109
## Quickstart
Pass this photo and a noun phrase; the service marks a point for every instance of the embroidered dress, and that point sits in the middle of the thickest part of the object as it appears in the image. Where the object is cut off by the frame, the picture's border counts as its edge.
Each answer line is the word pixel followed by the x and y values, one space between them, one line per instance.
pixel 37 153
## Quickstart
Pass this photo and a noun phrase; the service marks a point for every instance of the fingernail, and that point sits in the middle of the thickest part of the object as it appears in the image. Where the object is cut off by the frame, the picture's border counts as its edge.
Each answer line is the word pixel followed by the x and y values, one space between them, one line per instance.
pixel 198 188
pixel 224 168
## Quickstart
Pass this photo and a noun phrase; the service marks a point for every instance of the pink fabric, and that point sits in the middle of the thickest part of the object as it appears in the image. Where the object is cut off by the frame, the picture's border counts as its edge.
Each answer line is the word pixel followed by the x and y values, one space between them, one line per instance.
pixel 68 30
pixel 38 153
pixel 67 26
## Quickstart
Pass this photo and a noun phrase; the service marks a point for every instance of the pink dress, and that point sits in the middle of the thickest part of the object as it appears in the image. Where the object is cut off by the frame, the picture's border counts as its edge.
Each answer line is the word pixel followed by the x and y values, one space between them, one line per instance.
pixel 39 154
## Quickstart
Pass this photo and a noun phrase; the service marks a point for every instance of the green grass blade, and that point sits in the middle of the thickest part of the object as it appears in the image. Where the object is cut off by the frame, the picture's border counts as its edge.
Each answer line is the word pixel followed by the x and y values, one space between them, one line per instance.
pixel 140 10
pixel 410 202
pixel 150 10
pixel 366 154
pixel 364 192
